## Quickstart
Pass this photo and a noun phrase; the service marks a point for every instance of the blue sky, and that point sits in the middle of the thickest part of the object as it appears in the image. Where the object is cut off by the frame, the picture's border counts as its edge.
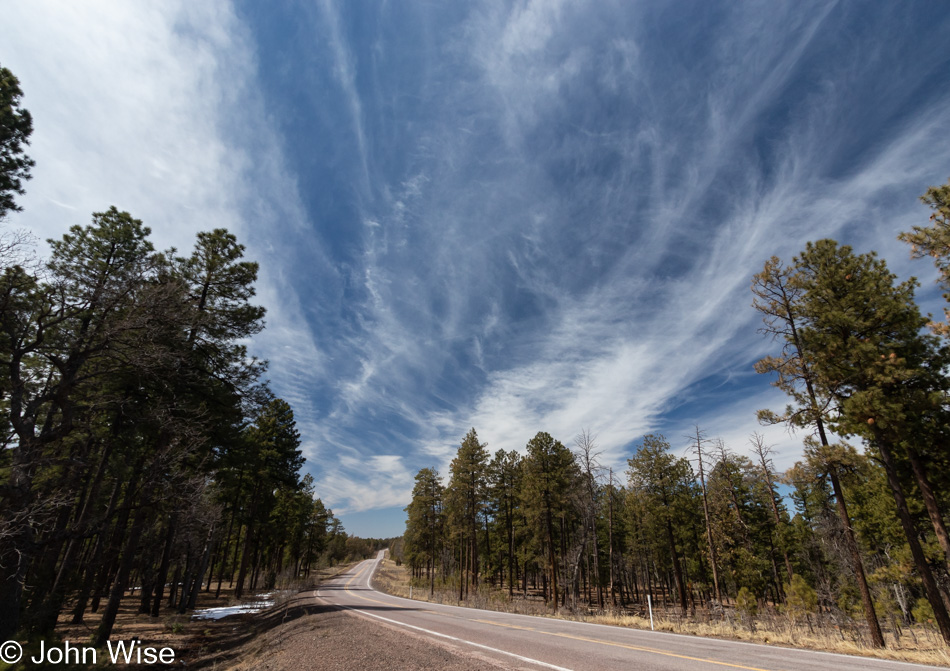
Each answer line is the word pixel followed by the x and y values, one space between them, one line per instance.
pixel 513 216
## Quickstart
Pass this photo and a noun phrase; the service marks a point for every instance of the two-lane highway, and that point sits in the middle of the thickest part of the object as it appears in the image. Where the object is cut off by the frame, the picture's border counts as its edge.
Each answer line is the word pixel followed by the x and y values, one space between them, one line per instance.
pixel 524 641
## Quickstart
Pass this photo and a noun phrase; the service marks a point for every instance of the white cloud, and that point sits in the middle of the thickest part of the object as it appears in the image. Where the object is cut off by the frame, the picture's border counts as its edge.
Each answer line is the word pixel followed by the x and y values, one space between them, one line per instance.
pixel 153 107
pixel 567 242
pixel 615 358
pixel 126 105
pixel 345 72
pixel 368 483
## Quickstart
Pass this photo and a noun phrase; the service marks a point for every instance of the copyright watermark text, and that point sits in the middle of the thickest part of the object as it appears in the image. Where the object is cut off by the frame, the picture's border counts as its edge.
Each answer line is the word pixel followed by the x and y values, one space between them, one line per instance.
pixel 10 652
pixel 120 652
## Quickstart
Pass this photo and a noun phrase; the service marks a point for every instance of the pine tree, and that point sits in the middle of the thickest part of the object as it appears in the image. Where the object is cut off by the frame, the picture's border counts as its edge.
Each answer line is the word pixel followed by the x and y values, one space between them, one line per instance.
pixel 586 455
pixel 550 474
pixel 16 126
pixel 778 296
pixel 699 441
pixel 64 340
pixel 661 480
pixel 425 524
pixel 864 343
pixel 934 241
pixel 505 474
pixel 274 458
pixel 465 500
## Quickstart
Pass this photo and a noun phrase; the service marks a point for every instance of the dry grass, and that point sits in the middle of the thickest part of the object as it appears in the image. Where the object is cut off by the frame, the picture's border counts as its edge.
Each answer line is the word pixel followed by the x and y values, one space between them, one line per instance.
pixel 197 643
pixel 394 580
pixel 922 646
pixel 917 644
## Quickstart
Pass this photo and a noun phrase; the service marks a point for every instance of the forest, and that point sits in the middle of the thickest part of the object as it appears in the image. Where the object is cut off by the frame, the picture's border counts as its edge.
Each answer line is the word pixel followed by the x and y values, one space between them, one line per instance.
pixel 855 532
pixel 143 452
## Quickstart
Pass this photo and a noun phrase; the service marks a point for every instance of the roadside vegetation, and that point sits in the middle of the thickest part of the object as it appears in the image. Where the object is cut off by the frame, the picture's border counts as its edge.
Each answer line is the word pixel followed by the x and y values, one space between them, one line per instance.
pixel 915 643
pixel 203 642
pixel 847 550
pixel 145 467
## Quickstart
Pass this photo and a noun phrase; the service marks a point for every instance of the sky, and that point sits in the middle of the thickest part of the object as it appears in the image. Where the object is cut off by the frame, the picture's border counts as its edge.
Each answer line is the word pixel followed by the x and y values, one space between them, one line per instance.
pixel 513 216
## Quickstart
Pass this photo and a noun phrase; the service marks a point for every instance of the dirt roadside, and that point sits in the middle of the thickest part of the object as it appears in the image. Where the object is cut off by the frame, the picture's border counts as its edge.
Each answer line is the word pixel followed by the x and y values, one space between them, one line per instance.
pixel 300 632
pixel 336 640
pixel 305 632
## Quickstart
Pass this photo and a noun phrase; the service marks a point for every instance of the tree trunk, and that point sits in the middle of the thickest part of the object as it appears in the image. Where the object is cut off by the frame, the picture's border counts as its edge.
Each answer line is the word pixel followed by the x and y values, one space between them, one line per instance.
pixel 199 579
pixel 910 531
pixel 68 565
pixel 930 502
pixel 162 578
pixel 129 555
pixel 677 569
pixel 877 637
pixel 511 549
pixel 553 564
pixel 16 549
pixel 610 537
pixel 245 559
pixel 713 558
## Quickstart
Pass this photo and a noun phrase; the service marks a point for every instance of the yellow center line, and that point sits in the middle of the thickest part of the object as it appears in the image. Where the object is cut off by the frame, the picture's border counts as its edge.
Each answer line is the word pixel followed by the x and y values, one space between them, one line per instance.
pixel 623 645
pixel 384 603
pixel 568 636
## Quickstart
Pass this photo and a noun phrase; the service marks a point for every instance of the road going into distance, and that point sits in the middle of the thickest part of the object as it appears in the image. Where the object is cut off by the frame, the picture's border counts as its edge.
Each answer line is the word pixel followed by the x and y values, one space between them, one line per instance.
pixel 522 641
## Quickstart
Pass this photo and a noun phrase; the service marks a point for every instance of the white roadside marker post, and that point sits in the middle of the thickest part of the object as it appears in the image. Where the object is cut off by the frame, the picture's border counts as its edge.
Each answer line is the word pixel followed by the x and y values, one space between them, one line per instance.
pixel 650 606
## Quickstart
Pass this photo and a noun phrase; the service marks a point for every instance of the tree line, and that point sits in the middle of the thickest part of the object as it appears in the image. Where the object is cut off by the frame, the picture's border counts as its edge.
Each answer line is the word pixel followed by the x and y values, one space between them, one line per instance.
pixel 866 539
pixel 141 445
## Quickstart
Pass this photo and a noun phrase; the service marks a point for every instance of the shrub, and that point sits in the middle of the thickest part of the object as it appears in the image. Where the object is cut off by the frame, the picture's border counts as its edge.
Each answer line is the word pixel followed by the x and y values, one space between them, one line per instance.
pixel 746 603
pixel 748 607
pixel 802 599
pixel 923 612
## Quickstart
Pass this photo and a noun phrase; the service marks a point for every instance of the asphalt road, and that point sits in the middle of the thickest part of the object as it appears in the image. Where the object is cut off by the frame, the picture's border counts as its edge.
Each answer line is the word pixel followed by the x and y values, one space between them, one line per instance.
pixel 523 641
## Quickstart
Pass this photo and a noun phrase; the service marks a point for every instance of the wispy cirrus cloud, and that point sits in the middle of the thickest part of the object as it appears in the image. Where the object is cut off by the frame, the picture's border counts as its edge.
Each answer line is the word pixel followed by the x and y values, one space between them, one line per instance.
pixel 154 108
pixel 517 216
pixel 604 272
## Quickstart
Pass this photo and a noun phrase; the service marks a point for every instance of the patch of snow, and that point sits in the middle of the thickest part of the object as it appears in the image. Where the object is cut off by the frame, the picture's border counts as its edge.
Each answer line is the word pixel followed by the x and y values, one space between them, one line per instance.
pixel 224 611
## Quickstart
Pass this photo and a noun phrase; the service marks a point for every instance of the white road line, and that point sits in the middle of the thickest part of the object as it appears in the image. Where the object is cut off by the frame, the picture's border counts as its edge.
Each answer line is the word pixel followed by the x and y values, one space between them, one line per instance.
pixel 460 640
pixel 718 642
pixel 529 660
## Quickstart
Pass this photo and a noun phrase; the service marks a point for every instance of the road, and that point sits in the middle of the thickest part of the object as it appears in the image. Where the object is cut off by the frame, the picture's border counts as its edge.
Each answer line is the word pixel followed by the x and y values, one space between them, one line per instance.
pixel 523 641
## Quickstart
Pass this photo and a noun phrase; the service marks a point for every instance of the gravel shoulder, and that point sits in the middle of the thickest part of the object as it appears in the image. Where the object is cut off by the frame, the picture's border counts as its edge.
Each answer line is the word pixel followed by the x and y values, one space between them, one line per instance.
pixel 334 640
